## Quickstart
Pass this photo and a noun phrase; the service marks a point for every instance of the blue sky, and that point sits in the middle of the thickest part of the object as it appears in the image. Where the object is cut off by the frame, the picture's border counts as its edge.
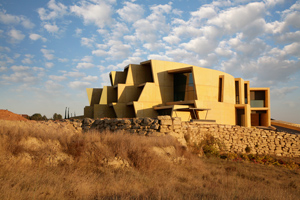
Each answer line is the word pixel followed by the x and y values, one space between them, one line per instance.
pixel 50 51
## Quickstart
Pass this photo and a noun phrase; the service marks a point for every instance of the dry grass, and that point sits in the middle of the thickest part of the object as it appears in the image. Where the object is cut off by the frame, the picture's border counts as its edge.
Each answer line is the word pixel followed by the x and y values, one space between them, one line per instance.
pixel 39 162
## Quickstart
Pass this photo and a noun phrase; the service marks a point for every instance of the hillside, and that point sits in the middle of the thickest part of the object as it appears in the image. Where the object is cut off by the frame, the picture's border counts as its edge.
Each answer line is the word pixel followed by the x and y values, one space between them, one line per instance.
pixel 54 161
pixel 7 115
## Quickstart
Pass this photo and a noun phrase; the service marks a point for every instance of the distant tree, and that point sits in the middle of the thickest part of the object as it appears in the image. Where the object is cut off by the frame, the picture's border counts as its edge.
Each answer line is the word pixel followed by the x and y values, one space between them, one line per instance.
pixel 57 116
pixel 44 117
pixel 66 113
pixel 36 116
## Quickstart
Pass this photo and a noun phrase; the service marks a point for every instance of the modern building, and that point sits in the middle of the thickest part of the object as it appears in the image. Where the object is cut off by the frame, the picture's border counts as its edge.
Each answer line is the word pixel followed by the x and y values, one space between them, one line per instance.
pixel 157 87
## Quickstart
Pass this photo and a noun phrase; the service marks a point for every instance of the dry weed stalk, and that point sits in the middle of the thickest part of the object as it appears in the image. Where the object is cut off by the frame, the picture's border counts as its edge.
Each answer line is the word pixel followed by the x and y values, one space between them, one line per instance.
pixel 42 162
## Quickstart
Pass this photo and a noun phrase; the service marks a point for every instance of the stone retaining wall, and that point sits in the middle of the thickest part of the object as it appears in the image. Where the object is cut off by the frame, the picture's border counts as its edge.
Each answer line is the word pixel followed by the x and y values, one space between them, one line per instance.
pixel 234 138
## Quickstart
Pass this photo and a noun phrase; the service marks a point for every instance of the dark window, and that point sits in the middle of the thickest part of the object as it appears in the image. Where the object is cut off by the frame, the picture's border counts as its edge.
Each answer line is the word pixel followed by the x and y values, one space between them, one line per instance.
pixel 220 94
pixel 237 92
pixel 184 89
pixel 246 93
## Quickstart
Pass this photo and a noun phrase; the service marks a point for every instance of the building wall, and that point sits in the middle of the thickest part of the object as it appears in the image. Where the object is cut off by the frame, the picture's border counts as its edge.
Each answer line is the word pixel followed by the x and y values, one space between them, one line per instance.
pixel 139 88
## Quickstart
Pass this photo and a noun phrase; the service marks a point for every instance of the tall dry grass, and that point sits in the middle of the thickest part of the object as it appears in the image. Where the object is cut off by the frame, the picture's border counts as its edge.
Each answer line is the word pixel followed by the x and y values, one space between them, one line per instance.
pixel 42 162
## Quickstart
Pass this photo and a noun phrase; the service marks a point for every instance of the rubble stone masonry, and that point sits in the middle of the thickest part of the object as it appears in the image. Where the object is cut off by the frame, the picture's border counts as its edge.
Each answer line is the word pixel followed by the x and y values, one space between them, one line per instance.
pixel 234 138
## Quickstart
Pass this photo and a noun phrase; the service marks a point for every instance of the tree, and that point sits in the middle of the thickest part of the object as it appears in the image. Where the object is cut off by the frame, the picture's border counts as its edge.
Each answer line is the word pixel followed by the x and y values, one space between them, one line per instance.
pixel 57 116
pixel 36 116
pixel 66 113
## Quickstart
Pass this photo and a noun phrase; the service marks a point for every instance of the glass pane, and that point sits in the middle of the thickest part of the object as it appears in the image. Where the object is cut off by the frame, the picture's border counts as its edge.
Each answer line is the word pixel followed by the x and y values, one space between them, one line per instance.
pixel 184 87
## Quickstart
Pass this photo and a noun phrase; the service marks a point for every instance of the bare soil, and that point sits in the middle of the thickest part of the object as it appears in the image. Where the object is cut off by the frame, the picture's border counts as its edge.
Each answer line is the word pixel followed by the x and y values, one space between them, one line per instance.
pixel 7 115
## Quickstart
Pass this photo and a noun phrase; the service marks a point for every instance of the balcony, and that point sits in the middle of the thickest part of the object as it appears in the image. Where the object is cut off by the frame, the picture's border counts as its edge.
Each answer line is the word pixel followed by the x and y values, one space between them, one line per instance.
pixel 257 103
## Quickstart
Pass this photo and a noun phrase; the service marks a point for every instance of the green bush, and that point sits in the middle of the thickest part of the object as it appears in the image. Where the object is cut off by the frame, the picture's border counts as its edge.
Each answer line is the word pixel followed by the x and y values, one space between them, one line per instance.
pixel 38 116
pixel 57 116
pixel 211 145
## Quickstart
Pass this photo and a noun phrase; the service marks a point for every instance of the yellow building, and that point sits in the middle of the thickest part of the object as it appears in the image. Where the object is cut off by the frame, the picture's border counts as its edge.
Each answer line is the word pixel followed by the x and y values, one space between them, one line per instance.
pixel 157 87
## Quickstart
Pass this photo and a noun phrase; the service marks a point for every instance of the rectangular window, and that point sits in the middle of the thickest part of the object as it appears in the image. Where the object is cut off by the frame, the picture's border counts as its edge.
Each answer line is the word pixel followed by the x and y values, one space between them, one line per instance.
pixel 257 98
pixel 246 93
pixel 221 85
pixel 237 92
pixel 184 88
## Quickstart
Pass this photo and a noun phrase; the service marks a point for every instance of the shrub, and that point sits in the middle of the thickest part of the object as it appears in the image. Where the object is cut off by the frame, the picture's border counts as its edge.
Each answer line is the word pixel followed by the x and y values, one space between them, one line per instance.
pixel 247 149
pixel 57 116
pixel 211 145
pixel 37 117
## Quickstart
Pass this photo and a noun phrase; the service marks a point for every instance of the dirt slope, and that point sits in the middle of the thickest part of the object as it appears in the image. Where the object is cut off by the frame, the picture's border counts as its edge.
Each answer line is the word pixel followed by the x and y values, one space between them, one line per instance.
pixel 7 115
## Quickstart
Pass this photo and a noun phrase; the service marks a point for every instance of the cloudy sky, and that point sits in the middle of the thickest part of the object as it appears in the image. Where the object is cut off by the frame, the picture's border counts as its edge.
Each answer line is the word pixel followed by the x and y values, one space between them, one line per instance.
pixel 50 51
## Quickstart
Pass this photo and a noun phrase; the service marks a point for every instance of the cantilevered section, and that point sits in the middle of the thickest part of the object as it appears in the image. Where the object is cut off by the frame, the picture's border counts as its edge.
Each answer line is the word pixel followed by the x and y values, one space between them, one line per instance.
pixel 156 87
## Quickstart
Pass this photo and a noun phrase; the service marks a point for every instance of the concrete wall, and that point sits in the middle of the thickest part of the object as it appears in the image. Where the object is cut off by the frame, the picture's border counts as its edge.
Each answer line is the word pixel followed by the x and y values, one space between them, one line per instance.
pixel 139 89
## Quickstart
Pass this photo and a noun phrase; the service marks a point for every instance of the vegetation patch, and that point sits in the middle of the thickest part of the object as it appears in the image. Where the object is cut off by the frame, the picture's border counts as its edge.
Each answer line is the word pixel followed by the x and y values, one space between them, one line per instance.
pixel 42 161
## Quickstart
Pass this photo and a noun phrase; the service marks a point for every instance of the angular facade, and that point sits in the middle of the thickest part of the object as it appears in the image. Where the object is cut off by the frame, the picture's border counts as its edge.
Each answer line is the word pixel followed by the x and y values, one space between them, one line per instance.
pixel 157 87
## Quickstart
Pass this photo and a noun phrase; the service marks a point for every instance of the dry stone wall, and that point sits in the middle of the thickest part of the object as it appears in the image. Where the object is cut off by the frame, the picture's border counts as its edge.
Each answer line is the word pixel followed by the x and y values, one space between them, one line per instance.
pixel 235 138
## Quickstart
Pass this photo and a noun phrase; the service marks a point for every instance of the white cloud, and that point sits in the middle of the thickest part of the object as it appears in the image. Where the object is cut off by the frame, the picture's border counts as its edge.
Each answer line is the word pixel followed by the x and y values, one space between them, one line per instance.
pixel 236 18
pixel 154 46
pixel 63 59
pixel 35 37
pixel 289 37
pixel 28 58
pixel 49 65
pixel 293 49
pixel 16 35
pixel 80 85
pixel 200 45
pixel 177 12
pixel 85 65
pixel 88 42
pixel 172 39
pixel 204 12
pixel 12 19
pixel 26 23
pixel 99 52
pixel 105 79
pixel 282 92
pixel 292 20
pixel 48 54
pixel 159 57
pixel 130 60
pixel 273 2
pixel 54 11
pixel 57 78
pixel 3 69
pixel 74 74
pixel 90 78
pixel 53 86
pixel 51 28
pixel 8 18
pixel 117 50
pixel 24 74
pixel 5 60
pixel 4 49
pixel 131 12
pixel 149 29
pixel 119 30
pixel 87 59
pixel 99 13
pixel 78 32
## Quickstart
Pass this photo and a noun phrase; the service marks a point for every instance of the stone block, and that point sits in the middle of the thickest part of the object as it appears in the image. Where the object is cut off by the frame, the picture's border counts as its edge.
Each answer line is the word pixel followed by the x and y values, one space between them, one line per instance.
pixel 164 117
pixel 154 126
pixel 166 122
pixel 147 121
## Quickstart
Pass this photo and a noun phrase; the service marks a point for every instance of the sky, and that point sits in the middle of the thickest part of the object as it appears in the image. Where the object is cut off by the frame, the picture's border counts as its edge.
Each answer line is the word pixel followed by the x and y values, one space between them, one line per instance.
pixel 50 51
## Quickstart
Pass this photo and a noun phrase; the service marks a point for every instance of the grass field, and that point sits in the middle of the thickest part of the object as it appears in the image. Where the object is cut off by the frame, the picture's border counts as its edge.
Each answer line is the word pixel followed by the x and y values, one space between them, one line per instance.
pixel 42 162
